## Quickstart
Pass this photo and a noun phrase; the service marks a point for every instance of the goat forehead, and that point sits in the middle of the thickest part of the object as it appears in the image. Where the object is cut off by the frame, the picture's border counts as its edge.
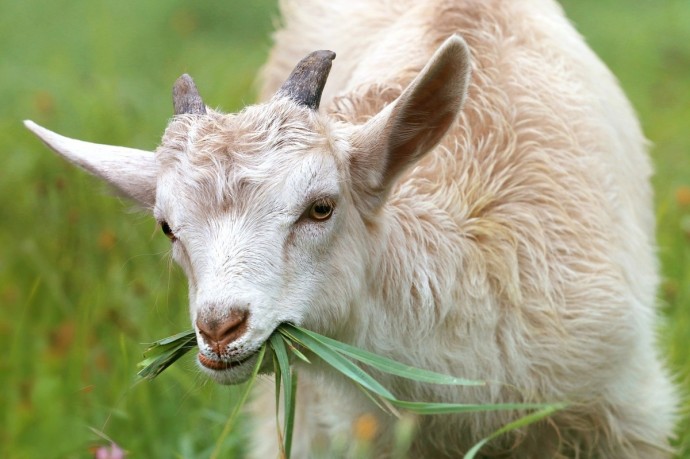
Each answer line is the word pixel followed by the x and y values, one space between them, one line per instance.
pixel 231 161
pixel 257 135
pixel 280 179
pixel 218 136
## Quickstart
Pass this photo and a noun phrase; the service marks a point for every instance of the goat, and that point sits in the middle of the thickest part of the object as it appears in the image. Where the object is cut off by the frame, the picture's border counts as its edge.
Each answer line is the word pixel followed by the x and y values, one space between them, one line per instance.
pixel 511 240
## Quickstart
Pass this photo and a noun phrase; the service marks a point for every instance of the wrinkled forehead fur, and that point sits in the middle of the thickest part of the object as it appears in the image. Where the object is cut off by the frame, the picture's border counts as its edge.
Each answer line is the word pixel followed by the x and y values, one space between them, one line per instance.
pixel 223 161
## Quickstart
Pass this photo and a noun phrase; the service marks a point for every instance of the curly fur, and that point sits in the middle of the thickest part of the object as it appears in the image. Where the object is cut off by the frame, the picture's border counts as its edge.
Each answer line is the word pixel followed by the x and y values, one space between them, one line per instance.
pixel 513 243
pixel 522 249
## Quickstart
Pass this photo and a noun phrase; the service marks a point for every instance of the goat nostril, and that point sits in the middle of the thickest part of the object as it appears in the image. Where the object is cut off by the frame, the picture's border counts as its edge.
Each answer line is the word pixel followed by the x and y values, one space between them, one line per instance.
pixel 220 333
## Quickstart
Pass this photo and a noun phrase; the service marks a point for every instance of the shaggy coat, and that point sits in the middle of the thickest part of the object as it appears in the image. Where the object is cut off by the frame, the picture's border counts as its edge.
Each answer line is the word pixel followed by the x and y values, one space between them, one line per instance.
pixel 521 249
pixel 513 243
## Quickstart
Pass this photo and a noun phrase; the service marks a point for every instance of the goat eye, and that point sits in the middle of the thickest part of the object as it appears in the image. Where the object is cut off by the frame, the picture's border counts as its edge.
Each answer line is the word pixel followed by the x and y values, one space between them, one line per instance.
pixel 167 231
pixel 321 210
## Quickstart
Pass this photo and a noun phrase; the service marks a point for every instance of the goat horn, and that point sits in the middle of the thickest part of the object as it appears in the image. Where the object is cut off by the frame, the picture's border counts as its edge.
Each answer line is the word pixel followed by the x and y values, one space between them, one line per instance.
pixel 305 83
pixel 186 98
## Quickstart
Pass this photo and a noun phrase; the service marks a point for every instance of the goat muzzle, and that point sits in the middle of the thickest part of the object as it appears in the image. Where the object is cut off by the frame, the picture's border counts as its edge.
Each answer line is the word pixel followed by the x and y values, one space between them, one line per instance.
pixel 219 334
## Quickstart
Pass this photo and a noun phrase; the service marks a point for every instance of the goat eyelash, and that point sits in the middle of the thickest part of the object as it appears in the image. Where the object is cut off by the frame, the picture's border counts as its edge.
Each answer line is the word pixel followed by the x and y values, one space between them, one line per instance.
pixel 168 231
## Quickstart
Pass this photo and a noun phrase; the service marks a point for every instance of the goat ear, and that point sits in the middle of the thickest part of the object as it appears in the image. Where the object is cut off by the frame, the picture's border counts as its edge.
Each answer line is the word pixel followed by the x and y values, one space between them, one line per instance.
pixel 132 172
pixel 410 127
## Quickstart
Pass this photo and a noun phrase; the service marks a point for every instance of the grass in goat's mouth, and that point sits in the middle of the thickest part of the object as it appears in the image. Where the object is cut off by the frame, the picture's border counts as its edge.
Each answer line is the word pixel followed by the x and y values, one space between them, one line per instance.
pixel 290 339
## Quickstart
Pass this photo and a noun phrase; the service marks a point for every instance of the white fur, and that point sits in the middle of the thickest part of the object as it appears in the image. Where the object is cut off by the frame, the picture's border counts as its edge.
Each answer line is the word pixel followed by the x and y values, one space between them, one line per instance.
pixel 519 250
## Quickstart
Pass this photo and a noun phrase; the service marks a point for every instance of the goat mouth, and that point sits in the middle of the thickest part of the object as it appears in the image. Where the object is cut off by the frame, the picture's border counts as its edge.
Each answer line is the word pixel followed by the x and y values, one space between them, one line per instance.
pixel 220 365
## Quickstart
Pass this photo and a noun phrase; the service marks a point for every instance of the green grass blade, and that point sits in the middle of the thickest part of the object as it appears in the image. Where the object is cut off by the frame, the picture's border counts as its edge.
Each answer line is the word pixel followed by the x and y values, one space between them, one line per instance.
pixel 382 403
pixel 340 363
pixel 521 422
pixel 290 418
pixel 299 354
pixel 185 335
pixel 277 378
pixel 163 353
pixel 387 365
pixel 240 403
pixel 154 367
pixel 280 352
pixel 448 408
pixel 294 350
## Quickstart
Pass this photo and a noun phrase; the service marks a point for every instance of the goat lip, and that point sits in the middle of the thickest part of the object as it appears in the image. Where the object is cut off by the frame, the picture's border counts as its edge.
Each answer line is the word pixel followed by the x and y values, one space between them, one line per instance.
pixel 220 365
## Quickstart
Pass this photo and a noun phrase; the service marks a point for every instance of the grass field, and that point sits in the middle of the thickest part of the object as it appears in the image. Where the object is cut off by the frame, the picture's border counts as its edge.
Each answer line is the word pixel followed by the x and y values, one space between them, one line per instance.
pixel 85 280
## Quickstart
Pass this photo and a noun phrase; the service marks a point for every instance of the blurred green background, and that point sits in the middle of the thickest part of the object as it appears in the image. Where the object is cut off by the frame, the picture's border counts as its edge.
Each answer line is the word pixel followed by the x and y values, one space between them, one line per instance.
pixel 85 279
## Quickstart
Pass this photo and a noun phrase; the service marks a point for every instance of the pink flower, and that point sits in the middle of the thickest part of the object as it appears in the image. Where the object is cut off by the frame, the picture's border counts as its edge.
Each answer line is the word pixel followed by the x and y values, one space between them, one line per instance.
pixel 109 452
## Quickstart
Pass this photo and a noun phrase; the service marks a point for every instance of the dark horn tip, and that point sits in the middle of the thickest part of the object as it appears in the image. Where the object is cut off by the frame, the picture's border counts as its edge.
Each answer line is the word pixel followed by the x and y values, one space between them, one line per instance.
pixel 186 98
pixel 325 54
pixel 306 82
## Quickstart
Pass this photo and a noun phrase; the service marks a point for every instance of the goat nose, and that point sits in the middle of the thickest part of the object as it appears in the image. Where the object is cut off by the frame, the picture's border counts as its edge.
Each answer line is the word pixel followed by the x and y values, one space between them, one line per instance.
pixel 218 333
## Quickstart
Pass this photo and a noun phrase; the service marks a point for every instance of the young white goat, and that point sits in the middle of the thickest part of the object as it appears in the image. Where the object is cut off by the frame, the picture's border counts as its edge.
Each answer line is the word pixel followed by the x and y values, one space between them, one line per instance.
pixel 513 243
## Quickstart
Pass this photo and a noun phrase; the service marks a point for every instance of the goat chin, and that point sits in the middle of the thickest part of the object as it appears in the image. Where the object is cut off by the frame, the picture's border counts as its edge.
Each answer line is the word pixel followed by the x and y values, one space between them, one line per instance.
pixel 466 191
